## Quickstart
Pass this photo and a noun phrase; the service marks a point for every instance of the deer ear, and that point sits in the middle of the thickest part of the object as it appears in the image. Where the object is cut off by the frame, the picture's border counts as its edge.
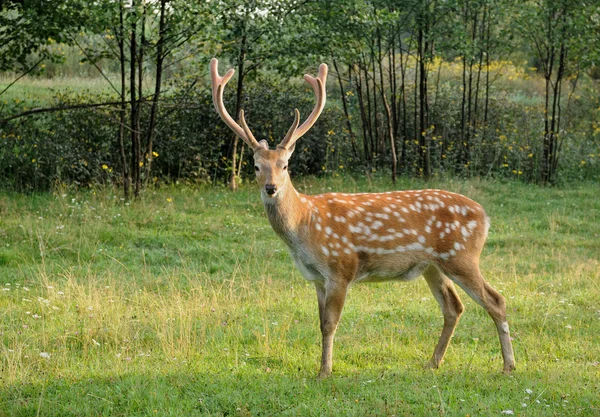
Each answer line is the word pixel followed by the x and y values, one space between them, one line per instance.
pixel 264 144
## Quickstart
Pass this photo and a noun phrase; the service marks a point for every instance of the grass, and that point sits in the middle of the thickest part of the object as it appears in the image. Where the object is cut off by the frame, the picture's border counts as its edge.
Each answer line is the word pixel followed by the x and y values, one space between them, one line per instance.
pixel 186 303
pixel 32 92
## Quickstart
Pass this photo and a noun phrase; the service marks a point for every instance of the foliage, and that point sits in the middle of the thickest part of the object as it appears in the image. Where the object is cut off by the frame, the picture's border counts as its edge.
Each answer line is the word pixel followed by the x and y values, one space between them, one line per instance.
pixel 80 147
pixel 428 84
pixel 28 26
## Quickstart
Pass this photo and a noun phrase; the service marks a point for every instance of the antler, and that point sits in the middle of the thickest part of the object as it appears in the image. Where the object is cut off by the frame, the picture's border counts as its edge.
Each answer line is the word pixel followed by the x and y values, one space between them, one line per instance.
pixel 318 85
pixel 218 84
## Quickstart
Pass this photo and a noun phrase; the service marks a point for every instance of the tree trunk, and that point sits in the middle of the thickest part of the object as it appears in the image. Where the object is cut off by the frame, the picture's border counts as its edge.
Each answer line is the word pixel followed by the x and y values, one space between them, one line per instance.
pixel 122 114
pixel 238 106
pixel 157 89
pixel 363 116
pixel 369 118
pixel 388 112
pixel 135 162
pixel 424 148
pixel 138 126
pixel 345 107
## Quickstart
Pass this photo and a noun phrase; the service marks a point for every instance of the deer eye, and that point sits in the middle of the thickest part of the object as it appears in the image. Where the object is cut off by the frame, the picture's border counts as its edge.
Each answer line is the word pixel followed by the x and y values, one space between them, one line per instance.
pixel 256 168
pixel 284 168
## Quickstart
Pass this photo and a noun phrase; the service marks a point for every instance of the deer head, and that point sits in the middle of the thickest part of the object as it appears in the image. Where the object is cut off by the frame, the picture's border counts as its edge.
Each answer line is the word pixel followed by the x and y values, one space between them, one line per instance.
pixel 270 165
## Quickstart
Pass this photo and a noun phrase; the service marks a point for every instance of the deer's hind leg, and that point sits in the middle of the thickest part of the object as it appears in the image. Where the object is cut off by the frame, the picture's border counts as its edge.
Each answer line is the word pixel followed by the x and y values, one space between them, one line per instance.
pixel 469 278
pixel 445 294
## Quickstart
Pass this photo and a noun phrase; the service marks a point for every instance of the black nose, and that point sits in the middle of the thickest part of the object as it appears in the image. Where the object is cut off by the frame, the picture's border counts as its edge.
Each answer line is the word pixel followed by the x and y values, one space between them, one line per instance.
pixel 270 189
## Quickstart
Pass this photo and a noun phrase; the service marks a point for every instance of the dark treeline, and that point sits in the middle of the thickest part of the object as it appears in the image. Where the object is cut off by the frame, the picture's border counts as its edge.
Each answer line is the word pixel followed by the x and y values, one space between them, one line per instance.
pixel 416 87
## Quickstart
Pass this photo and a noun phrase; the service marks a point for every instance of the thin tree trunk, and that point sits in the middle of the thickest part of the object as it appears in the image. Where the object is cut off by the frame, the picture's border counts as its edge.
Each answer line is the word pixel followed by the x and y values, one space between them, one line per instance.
pixel 388 113
pixel 345 107
pixel 424 148
pixel 140 80
pixel 404 136
pixel 363 116
pixel 378 140
pixel 238 106
pixel 135 162
pixel 124 164
pixel 554 127
pixel 157 88
pixel 392 80
pixel 370 119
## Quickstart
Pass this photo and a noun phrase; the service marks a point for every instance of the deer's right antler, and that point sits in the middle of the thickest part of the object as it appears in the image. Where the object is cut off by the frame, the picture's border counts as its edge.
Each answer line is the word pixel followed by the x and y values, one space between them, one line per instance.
pixel 218 84
pixel 318 85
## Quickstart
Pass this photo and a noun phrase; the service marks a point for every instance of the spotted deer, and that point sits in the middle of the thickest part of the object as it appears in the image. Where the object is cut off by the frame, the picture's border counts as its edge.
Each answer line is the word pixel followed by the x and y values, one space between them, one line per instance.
pixel 339 239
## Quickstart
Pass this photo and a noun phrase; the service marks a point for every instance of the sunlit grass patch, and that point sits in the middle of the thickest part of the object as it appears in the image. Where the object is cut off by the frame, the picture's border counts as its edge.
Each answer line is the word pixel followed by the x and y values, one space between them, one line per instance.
pixel 193 307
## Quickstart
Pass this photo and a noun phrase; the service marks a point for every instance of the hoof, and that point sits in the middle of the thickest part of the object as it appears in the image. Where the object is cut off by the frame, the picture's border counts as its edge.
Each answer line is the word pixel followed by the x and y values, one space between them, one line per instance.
pixel 508 369
pixel 432 364
pixel 324 375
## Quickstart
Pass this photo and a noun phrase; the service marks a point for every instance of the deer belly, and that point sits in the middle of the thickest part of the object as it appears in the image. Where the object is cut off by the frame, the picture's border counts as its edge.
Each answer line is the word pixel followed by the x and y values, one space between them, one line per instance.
pixel 381 274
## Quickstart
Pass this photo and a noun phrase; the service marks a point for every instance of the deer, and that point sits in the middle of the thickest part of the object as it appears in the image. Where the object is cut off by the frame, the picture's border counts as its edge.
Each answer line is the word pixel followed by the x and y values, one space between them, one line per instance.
pixel 339 239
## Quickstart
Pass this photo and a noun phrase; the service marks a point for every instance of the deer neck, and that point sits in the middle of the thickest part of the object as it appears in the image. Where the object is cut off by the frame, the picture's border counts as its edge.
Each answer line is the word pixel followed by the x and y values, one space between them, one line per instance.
pixel 287 212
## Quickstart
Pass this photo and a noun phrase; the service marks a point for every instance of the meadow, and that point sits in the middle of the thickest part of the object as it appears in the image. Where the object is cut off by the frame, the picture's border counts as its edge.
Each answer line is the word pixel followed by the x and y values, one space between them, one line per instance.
pixel 186 303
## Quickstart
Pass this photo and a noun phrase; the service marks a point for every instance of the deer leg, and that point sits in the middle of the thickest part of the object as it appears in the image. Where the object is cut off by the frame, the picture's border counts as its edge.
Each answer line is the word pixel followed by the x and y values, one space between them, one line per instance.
pixel 445 294
pixel 331 302
pixel 473 283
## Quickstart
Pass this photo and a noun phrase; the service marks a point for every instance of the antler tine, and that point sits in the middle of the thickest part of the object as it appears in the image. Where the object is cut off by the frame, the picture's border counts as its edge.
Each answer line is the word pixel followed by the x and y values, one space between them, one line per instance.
pixel 318 85
pixel 246 128
pixel 289 135
pixel 218 84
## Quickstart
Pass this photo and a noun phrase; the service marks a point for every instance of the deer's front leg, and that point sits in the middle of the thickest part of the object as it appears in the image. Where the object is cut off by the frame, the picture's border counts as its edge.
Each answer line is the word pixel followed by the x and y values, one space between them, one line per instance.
pixel 331 299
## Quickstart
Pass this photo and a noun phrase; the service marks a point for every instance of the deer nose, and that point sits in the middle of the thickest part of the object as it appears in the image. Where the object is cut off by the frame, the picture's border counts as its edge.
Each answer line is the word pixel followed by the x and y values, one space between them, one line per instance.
pixel 270 189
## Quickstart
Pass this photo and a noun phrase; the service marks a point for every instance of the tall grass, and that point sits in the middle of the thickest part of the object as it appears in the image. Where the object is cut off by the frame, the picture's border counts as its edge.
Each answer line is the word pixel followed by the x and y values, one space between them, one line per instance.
pixel 186 303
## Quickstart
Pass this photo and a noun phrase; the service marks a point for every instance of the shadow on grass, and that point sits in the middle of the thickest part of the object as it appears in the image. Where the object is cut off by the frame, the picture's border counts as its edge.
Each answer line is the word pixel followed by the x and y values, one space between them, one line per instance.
pixel 242 393
pixel 255 392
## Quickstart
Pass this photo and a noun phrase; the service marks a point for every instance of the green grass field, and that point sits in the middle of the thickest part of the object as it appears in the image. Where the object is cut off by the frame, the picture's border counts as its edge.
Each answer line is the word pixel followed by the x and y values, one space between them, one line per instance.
pixel 186 303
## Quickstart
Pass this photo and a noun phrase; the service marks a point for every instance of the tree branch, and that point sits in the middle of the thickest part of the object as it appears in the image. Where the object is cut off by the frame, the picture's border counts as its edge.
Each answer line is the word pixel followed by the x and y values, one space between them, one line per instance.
pixel 22 75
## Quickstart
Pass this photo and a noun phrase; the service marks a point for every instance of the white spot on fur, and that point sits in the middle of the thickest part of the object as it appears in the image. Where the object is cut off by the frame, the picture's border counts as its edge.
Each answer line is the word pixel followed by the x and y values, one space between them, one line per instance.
pixel 376 225
pixel 325 250
pixel 355 229
pixel 414 246
pixel 464 231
